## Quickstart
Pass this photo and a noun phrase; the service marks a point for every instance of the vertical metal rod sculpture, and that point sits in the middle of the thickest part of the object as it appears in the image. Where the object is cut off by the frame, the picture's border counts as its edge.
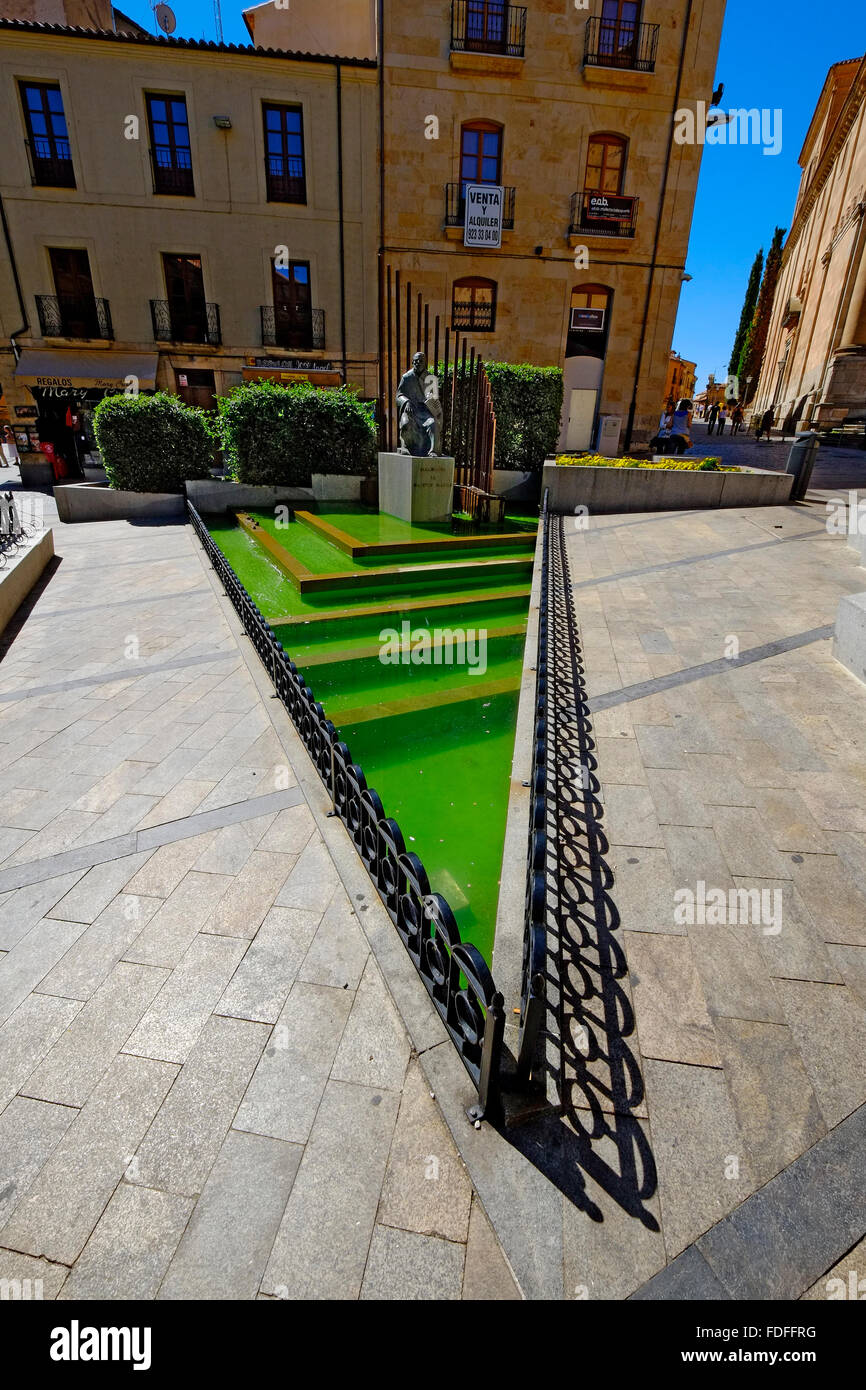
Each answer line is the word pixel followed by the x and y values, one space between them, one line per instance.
pixel 386 407
pixel 395 429
pixel 471 459
pixel 455 420
pixel 461 442
pixel 468 416
pixel 446 397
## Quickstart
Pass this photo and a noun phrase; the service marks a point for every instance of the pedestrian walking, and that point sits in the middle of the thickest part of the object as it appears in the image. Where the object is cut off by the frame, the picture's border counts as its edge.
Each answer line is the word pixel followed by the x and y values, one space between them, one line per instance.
pixel 712 417
pixel 765 424
pixel 9 448
pixel 723 415
pixel 736 418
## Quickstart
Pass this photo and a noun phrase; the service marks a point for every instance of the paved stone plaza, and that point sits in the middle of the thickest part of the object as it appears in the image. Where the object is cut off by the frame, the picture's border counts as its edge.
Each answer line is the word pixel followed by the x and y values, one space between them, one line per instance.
pixel 206 1090
pixel 834 467
pixel 731 752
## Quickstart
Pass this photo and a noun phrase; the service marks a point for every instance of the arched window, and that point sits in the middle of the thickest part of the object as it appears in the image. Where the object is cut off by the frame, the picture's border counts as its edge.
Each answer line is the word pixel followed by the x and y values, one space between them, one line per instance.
pixel 473 304
pixel 605 163
pixel 589 321
pixel 480 153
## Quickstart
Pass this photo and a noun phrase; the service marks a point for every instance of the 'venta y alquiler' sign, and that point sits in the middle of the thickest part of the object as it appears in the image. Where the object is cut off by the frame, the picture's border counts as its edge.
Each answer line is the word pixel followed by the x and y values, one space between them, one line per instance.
pixel 483 220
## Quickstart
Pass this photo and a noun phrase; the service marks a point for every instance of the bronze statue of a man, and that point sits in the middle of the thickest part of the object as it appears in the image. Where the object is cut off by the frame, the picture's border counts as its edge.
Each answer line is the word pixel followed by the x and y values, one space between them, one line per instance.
pixel 417 412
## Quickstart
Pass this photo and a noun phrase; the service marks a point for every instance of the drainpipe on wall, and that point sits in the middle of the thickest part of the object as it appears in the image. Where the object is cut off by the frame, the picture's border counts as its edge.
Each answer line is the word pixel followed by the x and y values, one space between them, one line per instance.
pixel 646 308
pixel 342 229
pixel 25 325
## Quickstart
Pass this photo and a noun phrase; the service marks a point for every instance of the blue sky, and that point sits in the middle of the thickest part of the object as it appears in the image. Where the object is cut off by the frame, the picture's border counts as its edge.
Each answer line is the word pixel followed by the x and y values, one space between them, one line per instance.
pixel 774 54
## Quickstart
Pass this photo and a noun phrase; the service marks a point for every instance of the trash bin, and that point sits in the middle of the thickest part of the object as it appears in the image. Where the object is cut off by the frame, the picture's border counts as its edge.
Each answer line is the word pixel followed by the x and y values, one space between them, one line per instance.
pixel 801 460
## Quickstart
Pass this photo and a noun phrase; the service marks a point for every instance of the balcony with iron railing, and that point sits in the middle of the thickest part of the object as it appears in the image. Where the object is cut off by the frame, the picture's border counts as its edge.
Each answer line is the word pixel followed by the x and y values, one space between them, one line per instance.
pixel 612 43
pixel 455 207
pixel 179 323
pixel 50 163
pixel 74 316
pixel 172 172
pixel 488 26
pixel 288 329
pixel 595 214
pixel 285 180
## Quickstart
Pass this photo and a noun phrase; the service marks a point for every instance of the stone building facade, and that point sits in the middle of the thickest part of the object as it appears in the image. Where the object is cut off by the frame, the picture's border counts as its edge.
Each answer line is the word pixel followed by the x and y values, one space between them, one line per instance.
pixel 160 194
pixel 680 381
pixel 179 213
pixel 814 369
pixel 571 111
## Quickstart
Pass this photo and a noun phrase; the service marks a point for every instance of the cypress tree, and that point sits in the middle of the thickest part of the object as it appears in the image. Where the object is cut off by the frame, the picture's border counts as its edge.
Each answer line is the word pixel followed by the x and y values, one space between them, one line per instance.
pixel 752 357
pixel 748 309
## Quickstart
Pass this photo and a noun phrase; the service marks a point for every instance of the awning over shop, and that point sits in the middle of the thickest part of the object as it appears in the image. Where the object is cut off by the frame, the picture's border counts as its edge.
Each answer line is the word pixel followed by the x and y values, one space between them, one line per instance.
pixel 105 371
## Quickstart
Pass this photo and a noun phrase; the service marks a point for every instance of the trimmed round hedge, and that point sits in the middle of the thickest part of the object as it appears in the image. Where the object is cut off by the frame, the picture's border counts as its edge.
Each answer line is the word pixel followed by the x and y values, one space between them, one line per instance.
pixel 152 443
pixel 279 435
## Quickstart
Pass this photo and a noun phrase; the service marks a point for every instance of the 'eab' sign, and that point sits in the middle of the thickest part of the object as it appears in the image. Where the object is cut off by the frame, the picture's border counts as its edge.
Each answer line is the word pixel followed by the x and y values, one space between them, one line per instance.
pixel 483 224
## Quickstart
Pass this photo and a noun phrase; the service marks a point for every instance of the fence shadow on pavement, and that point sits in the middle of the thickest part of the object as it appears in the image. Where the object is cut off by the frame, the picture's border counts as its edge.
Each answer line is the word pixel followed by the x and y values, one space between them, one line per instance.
pixel 588 1049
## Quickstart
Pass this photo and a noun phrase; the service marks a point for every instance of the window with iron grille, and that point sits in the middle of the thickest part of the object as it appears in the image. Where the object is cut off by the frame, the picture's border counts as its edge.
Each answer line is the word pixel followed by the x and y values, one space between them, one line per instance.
pixel 170 151
pixel 473 305
pixel 47 134
pixel 284 153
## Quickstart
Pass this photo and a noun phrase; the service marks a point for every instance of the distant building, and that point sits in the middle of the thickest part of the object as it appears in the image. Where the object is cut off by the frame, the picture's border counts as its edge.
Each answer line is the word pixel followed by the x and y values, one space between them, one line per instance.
pixel 315 26
pixel 680 382
pixel 713 394
pixel 814 369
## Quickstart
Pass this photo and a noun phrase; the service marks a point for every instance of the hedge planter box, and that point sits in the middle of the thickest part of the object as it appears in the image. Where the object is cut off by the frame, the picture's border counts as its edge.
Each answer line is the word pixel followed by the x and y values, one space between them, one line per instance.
pixel 37 477
pixel 218 495
pixel 21 571
pixel 90 502
pixel 607 490
pixel 849 638
pixel 515 485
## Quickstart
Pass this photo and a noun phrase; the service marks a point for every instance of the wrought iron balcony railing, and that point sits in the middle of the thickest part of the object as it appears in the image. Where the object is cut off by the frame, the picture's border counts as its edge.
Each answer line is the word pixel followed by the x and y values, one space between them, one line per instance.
pixel 455 207
pixel 282 328
pixel 50 163
pixel 172 172
pixel 488 26
pixel 617 43
pixel 179 323
pixel 285 179
pixel 603 214
pixel 72 316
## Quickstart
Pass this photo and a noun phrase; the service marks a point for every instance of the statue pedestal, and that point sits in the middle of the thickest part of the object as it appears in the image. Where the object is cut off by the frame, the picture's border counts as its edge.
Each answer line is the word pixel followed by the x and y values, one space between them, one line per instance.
pixel 416 489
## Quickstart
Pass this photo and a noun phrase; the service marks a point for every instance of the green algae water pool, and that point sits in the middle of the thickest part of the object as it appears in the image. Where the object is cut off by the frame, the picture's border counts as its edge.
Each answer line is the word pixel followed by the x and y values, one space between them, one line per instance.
pixel 412 639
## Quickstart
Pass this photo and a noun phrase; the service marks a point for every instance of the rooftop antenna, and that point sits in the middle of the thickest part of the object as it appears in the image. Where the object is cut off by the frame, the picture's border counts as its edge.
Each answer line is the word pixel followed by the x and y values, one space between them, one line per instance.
pixel 218 20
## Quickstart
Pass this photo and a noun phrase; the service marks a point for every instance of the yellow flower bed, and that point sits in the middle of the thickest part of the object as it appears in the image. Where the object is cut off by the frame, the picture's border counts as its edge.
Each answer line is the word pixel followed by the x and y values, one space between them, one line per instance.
pixel 706 465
